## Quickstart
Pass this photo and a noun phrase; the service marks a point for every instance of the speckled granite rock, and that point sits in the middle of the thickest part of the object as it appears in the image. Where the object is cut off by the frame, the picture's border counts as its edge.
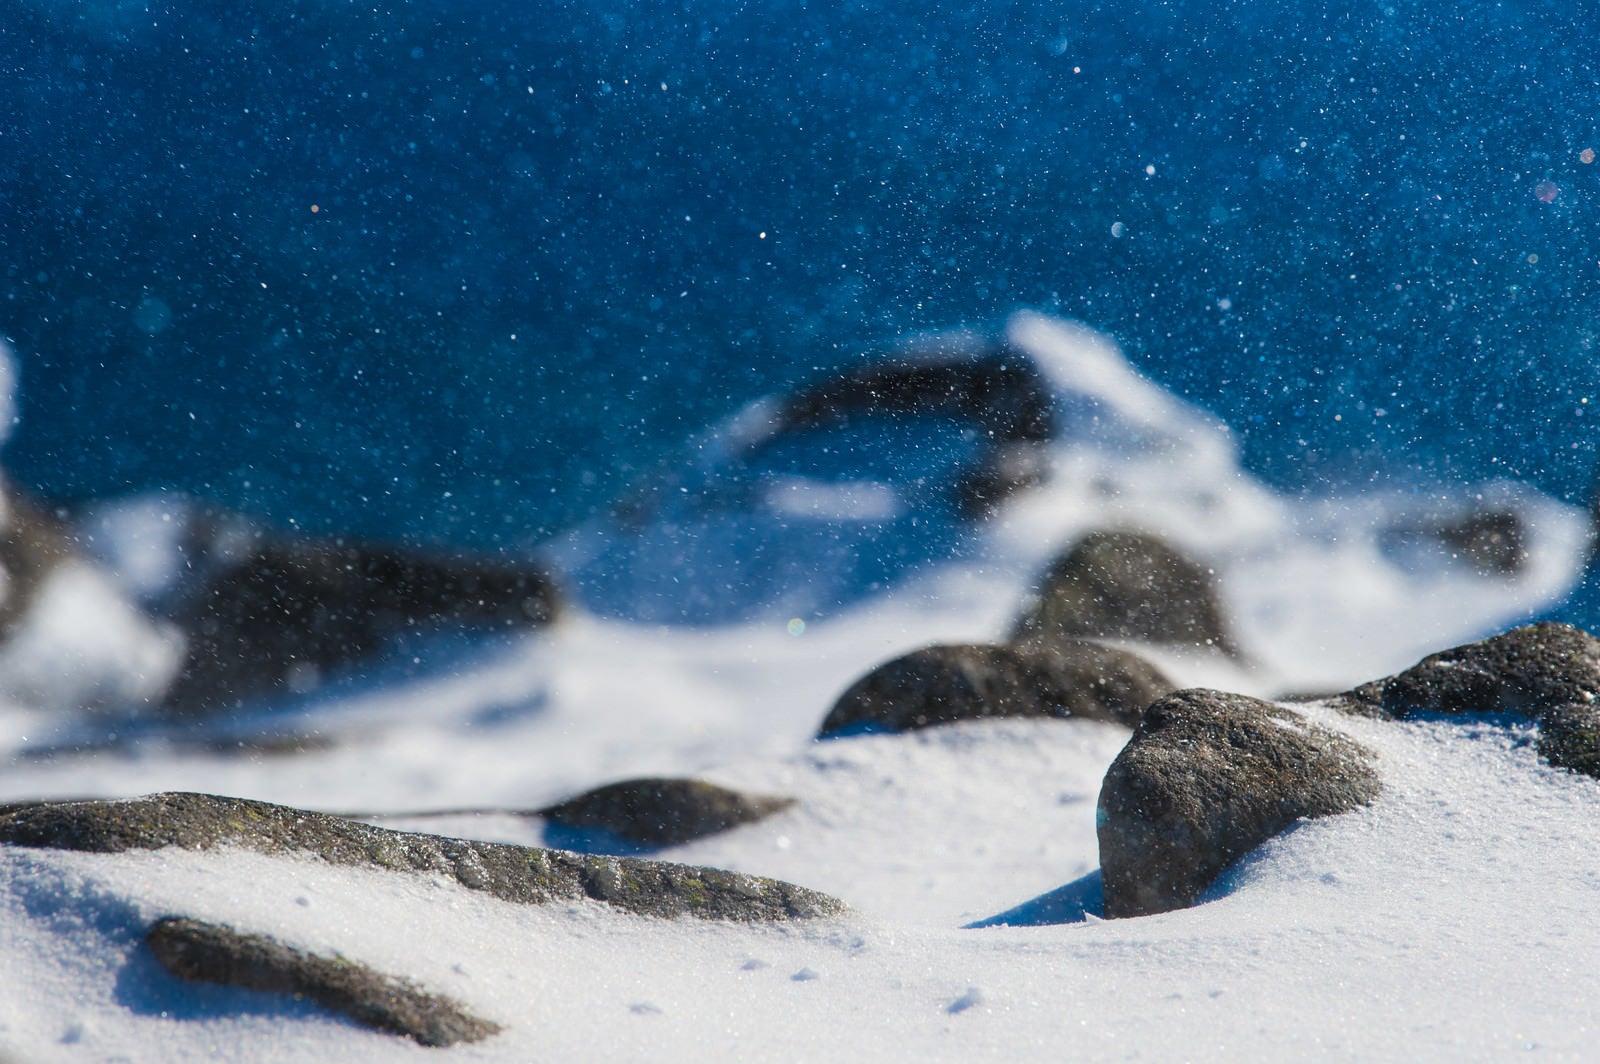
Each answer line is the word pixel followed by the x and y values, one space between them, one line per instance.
pixel 1526 670
pixel 213 953
pixel 663 812
pixel 1128 585
pixel 954 682
pixel 520 874
pixel 1547 672
pixel 1206 778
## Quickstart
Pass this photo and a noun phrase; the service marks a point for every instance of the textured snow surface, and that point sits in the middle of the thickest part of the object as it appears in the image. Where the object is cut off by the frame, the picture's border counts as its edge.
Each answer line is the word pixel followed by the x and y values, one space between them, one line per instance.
pixel 1455 917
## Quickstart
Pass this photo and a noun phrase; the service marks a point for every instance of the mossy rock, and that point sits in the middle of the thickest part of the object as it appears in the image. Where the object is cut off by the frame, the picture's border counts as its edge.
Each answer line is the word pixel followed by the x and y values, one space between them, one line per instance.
pixel 1128 585
pixel 1206 778
pixel 215 953
pixel 663 812
pixel 947 683
pixel 521 874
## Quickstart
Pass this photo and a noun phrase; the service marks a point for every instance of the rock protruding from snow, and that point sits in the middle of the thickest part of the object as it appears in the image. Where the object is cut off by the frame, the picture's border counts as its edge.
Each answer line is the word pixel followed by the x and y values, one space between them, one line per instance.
pixel 663 812
pixel 70 639
pixel 32 545
pixel 999 389
pixel 276 612
pixel 520 874
pixel 1526 670
pixel 214 953
pixel 1494 542
pixel 1206 778
pixel 946 683
pixel 1547 672
pixel 1128 585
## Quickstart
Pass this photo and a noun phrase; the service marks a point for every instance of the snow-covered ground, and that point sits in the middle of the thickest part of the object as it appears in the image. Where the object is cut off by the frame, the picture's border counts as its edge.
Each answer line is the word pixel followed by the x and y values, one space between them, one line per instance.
pixel 1456 916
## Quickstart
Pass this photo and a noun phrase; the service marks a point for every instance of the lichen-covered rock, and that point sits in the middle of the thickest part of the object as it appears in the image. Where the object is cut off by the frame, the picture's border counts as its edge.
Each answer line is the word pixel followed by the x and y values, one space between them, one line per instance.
pixel 1206 778
pixel 214 953
pixel 1128 585
pixel 1546 672
pixel 953 682
pixel 520 874
pixel 663 812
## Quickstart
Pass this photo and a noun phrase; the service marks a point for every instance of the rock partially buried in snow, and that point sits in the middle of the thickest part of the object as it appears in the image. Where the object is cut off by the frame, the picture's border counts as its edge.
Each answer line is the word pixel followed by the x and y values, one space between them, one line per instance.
pixel 32 544
pixel 1526 670
pixel 1206 778
pixel 521 874
pixel 998 390
pixel 1547 672
pixel 1128 585
pixel 946 683
pixel 664 812
pixel 69 637
pixel 275 612
pixel 213 953
pixel 1493 542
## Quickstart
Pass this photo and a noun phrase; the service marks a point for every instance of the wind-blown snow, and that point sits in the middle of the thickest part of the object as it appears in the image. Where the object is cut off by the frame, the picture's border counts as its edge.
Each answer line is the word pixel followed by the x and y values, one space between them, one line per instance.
pixel 1454 917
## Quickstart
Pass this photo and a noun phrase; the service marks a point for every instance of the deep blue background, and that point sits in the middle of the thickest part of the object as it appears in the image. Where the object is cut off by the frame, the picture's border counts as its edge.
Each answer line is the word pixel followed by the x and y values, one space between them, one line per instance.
pixel 537 261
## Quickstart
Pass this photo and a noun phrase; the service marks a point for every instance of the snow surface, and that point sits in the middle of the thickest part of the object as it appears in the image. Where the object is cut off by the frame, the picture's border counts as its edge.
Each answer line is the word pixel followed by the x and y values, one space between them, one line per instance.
pixel 1454 917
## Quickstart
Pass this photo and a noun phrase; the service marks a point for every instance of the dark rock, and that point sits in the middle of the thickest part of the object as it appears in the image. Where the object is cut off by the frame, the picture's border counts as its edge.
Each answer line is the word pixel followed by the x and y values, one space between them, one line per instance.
pixel 1005 471
pixel 1364 700
pixel 1569 737
pixel 1002 391
pixel 32 544
pixel 1527 670
pixel 520 874
pixel 1206 778
pixel 997 390
pixel 1547 672
pixel 953 682
pixel 212 953
pixel 1493 542
pixel 664 812
pixel 278 613
pixel 1128 585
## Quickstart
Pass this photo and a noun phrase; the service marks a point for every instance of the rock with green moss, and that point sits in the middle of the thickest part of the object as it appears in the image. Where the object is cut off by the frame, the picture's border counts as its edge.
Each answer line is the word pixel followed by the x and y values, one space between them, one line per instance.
pixel 215 953
pixel 663 812
pixel 1206 778
pixel 971 681
pixel 1547 672
pixel 1128 585
pixel 521 874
